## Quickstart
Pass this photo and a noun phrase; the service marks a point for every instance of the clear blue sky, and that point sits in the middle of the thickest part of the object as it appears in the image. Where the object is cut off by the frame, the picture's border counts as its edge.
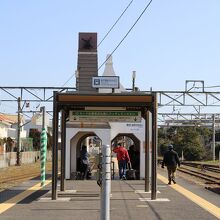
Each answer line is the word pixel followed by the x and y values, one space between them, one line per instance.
pixel 174 41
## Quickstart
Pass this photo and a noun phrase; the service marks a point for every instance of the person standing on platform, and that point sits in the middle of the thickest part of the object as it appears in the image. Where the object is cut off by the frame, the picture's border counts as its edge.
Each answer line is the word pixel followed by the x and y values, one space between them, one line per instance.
pixel 84 156
pixel 123 158
pixel 171 160
pixel 134 155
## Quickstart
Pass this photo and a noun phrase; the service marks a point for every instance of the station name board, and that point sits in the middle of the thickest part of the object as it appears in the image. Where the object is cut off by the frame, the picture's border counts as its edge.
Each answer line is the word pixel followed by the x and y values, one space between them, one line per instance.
pixel 105 116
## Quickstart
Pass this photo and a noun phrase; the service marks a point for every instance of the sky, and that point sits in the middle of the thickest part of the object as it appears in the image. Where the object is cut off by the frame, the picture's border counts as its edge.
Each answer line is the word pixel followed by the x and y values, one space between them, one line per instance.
pixel 174 41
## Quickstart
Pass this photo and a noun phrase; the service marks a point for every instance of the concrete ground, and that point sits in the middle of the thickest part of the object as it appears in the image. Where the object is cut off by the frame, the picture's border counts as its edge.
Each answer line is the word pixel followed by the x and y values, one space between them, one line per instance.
pixel 81 200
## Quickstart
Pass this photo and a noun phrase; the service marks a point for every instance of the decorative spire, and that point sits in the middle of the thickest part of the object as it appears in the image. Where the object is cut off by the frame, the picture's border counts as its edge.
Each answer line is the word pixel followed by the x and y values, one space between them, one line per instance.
pixel 109 59
pixel 109 70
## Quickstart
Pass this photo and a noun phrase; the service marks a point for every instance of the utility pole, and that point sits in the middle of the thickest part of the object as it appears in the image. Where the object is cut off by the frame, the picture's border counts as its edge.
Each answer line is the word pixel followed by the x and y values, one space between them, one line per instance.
pixel 213 137
pixel 42 109
pixel 18 162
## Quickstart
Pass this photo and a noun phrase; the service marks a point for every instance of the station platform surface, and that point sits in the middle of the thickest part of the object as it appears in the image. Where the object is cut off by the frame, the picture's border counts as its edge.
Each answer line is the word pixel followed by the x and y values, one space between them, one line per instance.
pixel 81 200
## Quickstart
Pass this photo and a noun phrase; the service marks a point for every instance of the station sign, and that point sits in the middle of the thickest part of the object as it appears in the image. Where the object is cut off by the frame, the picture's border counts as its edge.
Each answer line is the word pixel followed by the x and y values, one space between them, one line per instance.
pixel 105 116
pixel 111 82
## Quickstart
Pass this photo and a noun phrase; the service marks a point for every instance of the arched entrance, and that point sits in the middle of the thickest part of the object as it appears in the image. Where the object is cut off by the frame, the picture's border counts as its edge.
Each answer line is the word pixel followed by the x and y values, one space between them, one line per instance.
pixel 76 143
pixel 88 140
pixel 129 139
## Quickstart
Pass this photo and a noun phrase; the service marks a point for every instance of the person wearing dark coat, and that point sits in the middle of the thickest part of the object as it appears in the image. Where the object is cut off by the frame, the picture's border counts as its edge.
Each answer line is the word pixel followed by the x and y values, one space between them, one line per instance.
pixel 171 160
pixel 133 157
pixel 84 156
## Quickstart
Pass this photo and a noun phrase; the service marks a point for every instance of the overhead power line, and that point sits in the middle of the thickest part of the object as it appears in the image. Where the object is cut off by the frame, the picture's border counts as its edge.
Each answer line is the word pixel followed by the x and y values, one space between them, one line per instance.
pixel 127 33
pixel 68 80
pixel 105 35
pixel 115 23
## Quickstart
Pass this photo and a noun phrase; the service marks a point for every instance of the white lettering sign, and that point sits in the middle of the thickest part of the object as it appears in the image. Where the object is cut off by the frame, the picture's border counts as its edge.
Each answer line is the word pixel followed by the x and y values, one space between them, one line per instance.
pixel 105 82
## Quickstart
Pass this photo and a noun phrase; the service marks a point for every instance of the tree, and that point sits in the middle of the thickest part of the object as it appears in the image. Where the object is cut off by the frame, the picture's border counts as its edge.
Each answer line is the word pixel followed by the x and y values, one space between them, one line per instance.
pixel 35 134
pixel 192 141
pixel 163 142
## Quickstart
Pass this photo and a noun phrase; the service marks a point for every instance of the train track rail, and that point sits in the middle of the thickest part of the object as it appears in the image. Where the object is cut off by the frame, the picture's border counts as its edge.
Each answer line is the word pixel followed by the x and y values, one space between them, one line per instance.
pixel 14 175
pixel 18 178
pixel 202 166
pixel 210 178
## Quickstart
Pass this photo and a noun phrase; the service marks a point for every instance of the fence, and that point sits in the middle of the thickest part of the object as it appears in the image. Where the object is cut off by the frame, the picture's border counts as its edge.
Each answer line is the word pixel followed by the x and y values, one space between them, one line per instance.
pixel 9 159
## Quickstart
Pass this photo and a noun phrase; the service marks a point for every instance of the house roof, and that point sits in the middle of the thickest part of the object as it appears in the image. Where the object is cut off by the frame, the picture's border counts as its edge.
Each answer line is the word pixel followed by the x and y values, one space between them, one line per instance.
pixel 5 118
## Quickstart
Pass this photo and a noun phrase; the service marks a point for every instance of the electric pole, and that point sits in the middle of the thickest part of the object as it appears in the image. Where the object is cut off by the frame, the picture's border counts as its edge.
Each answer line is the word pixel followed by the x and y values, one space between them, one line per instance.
pixel 18 162
pixel 213 137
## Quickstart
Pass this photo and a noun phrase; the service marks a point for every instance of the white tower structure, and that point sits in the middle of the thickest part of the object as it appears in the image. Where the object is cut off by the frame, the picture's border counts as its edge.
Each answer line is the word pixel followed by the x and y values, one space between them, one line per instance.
pixel 109 71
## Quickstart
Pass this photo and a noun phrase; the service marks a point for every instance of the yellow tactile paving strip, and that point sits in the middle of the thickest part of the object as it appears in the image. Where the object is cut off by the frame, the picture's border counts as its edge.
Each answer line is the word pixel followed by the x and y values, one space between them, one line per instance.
pixel 214 210
pixel 16 199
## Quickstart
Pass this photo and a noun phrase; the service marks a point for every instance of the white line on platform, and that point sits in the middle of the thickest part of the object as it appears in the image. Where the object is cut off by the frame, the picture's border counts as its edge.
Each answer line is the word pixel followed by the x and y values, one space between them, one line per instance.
pixel 142 191
pixel 142 206
pixel 67 191
pixel 161 186
pixel 155 200
pixel 67 199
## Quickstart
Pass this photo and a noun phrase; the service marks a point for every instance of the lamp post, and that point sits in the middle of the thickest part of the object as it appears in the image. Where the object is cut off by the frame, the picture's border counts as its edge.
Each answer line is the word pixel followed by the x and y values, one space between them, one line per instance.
pixel 133 80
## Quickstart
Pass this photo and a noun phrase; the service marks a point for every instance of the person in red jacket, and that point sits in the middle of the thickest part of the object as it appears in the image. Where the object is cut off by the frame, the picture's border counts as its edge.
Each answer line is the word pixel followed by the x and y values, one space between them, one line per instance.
pixel 123 158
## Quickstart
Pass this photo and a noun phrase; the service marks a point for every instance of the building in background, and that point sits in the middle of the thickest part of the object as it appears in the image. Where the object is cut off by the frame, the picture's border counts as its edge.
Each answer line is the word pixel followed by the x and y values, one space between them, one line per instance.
pixel 8 132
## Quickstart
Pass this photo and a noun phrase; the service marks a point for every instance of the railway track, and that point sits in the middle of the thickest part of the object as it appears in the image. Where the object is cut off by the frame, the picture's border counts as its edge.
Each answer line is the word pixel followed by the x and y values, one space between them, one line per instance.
pixel 14 175
pixel 206 175
pixel 211 178
pixel 200 173
pixel 18 178
pixel 204 167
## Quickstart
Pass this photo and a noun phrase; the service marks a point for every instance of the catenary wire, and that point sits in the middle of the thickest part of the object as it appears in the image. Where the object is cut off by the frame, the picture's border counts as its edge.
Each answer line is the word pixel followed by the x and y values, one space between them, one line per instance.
pixel 122 38
pixel 126 34
pixel 105 35
pixel 68 80
pixel 115 23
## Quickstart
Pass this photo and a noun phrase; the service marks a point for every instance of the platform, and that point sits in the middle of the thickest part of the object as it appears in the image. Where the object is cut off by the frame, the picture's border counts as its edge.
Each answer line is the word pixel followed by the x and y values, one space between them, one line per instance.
pixel 81 200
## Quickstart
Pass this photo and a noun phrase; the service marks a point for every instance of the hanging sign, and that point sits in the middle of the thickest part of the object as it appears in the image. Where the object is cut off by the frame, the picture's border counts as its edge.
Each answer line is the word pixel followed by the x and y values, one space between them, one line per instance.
pixel 105 116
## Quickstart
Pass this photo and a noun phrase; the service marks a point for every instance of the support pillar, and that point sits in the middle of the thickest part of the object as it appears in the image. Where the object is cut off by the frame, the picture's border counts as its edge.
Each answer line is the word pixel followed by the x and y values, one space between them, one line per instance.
pixel 63 151
pixel 154 149
pixel 147 151
pixel 55 148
